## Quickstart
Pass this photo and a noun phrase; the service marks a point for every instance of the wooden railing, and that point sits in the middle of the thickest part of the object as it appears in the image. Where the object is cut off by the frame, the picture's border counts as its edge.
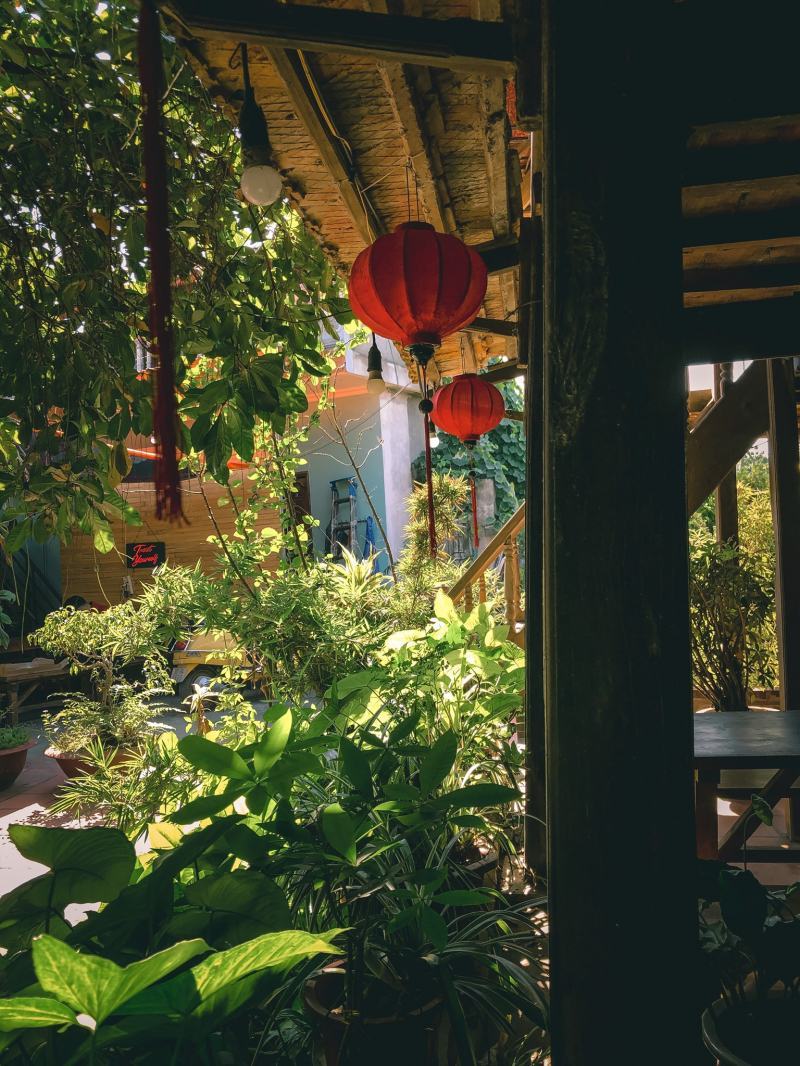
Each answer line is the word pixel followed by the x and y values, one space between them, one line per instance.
pixel 503 542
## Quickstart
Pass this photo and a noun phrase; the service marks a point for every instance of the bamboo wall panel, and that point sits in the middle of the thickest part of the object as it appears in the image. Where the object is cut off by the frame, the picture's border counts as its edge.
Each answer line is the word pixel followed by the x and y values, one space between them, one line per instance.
pixel 99 578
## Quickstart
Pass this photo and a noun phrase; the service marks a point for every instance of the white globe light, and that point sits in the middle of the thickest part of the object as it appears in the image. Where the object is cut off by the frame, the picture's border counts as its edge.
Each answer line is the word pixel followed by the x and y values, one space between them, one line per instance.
pixel 375 383
pixel 261 185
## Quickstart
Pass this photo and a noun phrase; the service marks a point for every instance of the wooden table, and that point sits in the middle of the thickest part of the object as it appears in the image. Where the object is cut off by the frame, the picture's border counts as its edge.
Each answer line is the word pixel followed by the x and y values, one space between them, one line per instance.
pixel 755 740
pixel 18 681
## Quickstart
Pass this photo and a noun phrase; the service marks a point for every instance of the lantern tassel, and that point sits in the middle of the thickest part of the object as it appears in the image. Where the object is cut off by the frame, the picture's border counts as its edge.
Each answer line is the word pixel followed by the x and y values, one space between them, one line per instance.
pixel 424 405
pixel 165 414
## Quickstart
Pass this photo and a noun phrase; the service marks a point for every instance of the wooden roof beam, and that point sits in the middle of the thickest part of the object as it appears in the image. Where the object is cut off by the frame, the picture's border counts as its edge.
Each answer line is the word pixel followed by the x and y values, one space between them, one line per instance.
pixel 456 44
pixel 755 276
pixel 422 150
pixel 725 333
pixel 703 230
pixel 500 327
pixel 504 180
pixel 500 254
pixel 366 219
pixel 750 162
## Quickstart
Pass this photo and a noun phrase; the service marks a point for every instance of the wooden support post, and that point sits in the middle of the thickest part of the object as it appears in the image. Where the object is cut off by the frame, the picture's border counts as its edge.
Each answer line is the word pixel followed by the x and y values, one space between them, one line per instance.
pixel 616 619
pixel 533 357
pixel 784 483
pixel 725 496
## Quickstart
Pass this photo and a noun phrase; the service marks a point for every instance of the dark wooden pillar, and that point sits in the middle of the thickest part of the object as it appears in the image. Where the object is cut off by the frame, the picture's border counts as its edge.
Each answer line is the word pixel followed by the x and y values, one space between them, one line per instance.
pixel 725 495
pixel 616 626
pixel 535 773
pixel 784 483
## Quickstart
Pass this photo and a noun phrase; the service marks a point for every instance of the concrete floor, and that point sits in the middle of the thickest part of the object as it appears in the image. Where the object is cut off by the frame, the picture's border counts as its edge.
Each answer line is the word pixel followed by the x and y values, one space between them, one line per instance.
pixel 29 798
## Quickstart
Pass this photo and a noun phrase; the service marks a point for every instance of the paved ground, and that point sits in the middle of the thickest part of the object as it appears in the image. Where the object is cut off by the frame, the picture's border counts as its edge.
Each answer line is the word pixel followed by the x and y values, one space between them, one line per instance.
pixel 30 796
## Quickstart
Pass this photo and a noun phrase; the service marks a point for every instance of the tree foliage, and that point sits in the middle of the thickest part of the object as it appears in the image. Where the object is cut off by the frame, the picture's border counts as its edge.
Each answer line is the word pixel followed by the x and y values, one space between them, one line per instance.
pixel 250 286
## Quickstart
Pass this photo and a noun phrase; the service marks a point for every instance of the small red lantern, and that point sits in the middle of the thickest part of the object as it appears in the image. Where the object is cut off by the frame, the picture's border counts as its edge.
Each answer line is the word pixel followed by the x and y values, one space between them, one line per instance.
pixel 468 407
pixel 416 286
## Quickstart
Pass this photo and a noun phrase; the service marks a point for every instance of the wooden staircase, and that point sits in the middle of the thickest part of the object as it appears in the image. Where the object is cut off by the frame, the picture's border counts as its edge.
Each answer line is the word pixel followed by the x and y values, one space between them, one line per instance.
pixel 472 582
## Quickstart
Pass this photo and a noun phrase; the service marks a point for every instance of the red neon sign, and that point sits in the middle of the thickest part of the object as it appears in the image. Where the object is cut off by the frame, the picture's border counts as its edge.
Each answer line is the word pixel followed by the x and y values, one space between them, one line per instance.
pixel 146 554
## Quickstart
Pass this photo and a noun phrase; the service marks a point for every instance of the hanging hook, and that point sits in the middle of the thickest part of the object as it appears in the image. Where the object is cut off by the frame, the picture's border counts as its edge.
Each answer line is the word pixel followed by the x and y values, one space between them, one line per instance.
pixel 234 61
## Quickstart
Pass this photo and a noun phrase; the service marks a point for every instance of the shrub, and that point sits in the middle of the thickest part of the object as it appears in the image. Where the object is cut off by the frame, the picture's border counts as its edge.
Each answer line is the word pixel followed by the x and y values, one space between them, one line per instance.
pixel 13 736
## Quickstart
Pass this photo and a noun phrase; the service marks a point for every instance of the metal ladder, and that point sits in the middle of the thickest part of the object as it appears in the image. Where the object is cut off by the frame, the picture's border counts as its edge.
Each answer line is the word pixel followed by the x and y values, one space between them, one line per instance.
pixel 343 523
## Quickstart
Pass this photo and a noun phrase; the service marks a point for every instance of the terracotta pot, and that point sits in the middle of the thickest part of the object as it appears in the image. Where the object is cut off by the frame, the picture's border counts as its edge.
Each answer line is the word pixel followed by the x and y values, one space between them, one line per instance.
pixel 12 763
pixel 74 763
pixel 760 1033
pixel 418 1037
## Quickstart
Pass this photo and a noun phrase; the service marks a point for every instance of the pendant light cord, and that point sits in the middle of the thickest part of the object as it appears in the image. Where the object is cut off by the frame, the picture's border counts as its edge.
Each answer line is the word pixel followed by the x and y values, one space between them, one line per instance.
pixel 474 501
pixel 432 545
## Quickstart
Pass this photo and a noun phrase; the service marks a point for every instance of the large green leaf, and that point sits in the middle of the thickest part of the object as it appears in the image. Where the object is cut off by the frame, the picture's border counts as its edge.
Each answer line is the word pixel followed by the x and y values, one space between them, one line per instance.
pixel 243 904
pixel 484 794
pixel 438 763
pixel 356 767
pixel 276 951
pixel 340 831
pixel 33 1012
pixel 271 746
pixel 96 986
pixel 205 806
pixel 214 758
pixel 88 865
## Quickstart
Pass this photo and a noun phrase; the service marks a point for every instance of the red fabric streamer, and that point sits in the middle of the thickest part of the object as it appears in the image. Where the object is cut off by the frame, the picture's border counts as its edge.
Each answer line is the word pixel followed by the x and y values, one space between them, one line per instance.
pixel 165 414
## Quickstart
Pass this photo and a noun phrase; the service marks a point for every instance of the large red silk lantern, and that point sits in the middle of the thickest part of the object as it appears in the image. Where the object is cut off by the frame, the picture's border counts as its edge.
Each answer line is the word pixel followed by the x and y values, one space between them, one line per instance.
pixel 416 286
pixel 468 407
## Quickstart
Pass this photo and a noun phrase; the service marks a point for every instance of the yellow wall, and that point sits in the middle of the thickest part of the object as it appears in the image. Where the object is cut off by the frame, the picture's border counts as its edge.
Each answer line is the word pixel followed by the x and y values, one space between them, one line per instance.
pixel 98 578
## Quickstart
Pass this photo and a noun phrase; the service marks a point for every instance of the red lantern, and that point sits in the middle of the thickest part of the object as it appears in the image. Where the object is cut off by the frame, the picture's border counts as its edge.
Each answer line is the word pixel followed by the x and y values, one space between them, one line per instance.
pixel 416 286
pixel 468 407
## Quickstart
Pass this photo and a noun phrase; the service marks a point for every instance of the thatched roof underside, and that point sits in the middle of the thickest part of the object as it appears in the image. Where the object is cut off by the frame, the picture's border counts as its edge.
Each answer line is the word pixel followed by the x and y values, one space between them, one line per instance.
pixel 416 135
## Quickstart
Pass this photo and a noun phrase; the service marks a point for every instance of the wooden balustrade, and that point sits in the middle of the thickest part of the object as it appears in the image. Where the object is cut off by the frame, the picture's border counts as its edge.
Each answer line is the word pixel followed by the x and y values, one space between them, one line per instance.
pixel 503 542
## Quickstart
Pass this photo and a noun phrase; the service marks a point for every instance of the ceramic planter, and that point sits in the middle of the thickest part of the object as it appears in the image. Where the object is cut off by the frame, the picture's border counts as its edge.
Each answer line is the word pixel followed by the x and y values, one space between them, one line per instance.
pixel 73 764
pixel 765 1032
pixel 411 1039
pixel 12 763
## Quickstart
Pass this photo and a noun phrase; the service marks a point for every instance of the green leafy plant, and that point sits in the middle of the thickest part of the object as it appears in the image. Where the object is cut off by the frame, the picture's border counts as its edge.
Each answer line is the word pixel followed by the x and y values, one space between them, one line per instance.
pixel 731 600
pixel 12 736
pixel 103 644
pixel 74 277
pixel 126 795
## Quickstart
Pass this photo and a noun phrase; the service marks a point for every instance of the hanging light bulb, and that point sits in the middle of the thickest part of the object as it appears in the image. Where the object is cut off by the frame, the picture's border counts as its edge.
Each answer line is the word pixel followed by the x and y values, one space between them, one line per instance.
pixel 434 436
pixel 261 183
pixel 375 382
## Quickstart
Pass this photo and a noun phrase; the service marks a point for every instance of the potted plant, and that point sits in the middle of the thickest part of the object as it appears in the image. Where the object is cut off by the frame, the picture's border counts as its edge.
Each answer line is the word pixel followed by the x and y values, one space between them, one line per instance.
pixel 750 941
pixel 15 743
pixel 731 603
pixel 118 653
pixel 433 969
